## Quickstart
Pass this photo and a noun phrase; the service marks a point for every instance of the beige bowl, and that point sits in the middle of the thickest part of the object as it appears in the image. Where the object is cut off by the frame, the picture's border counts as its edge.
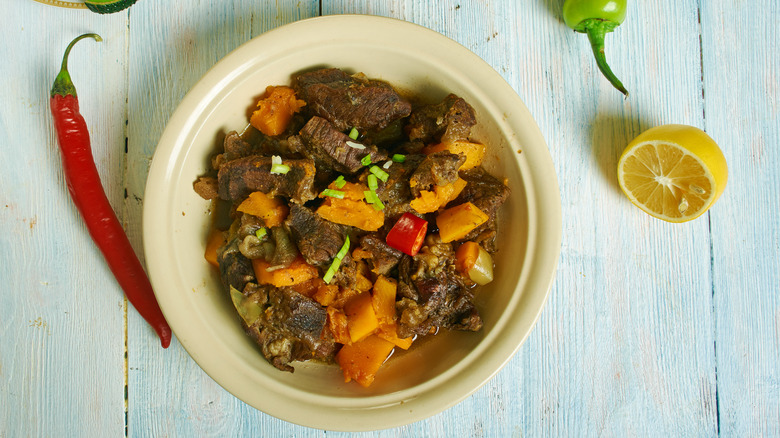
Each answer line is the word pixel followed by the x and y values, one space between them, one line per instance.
pixel 438 372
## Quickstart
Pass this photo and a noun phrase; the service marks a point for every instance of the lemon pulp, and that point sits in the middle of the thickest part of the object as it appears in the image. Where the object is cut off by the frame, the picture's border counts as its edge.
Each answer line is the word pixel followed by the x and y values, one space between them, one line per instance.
pixel 673 172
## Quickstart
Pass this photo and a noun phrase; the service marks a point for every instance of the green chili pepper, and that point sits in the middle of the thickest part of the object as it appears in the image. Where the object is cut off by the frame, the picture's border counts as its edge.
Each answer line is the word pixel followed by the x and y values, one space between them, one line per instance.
pixel 597 18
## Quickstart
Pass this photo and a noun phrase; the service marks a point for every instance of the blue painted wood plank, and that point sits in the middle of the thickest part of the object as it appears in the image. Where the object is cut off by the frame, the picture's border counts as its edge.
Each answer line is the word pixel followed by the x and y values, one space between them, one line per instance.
pixel 742 99
pixel 61 311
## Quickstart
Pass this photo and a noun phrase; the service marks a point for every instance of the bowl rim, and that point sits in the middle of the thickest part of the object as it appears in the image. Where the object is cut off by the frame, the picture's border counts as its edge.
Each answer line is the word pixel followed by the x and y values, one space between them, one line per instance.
pixel 421 401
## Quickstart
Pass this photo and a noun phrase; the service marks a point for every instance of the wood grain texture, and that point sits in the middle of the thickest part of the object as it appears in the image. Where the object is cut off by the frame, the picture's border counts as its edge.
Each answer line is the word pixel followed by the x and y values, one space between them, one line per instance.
pixel 61 311
pixel 739 54
pixel 651 329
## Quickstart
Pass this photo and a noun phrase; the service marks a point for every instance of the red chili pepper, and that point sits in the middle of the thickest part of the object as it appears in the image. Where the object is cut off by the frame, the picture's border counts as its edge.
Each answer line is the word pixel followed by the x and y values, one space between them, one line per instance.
pixel 408 234
pixel 90 199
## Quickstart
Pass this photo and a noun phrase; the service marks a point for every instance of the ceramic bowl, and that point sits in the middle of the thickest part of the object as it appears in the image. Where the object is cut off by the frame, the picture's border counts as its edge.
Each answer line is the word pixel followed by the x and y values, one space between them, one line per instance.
pixel 434 374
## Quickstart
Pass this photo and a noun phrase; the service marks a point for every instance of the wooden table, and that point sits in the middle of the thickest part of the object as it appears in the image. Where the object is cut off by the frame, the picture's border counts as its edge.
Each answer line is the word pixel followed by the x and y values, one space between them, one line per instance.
pixel 650 329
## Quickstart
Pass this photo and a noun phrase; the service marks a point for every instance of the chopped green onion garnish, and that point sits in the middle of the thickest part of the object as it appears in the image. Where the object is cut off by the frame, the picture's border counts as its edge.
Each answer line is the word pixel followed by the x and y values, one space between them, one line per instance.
pixel 399 158
pixel 344 248
pixel 260 233
pixel 373 199
pixel 333 193
pixel 378 205
pixel 387 164
pixel 366 160
pixel 331 270
pixel 353 134
pixel 372 183
pixel 280 168
pixel 277 166
pixel 381 174
pixel 340 181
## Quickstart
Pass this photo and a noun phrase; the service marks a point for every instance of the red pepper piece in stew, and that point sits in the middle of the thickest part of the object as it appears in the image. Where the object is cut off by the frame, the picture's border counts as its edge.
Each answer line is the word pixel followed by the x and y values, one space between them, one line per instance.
pixel 87 192
pixel 408 234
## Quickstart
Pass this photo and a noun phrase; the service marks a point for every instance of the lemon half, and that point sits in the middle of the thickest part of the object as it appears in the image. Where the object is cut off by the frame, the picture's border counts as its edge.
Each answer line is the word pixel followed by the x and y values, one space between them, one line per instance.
pixel 673 172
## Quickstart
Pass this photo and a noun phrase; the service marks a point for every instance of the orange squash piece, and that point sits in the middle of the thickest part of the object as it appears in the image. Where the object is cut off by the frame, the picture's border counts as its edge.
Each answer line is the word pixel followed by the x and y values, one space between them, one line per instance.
pixel 362 283
pixel 271 210
pixel 383 299
pixel 361 317
pixel 474 152
pixel 326 294
pixel 298 272
pixel 213 242
pixel 351 210
pixel 390 333
pixel 430 201
pixel 337 322
pixel 352 191
pixel 360 361
pixel 456 222
pixel 275 111
pixel 309 287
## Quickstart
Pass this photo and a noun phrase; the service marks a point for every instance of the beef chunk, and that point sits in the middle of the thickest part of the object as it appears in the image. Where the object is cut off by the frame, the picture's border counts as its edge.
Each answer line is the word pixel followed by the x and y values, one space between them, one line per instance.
pixel 445 122
pixel 235 269
pixel 395 193
pixel 347 274
pixel 350 100
pixel 254 142
pixel 445 304
pixel 291 327
pixel 487 193
pixel 236 147
pixel 207 187
pixel 318 240
pixel 239 178
pixel 383 257
pixel 323 143
pixel 440 168
pixel 442 301
pixel 433 292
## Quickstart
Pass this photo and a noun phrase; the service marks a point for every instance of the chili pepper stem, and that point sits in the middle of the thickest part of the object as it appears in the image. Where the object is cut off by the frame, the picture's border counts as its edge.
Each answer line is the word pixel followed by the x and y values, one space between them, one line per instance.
pixel 62 83
pixel 597 29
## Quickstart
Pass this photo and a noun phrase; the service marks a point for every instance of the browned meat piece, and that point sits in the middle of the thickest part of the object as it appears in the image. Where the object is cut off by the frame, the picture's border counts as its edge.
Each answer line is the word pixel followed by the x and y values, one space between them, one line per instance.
pixel 445 304
pixel 236 147
pixel 350 100
pixel 487 193
pixel 433 293
pixel 383 257
pixel 445 122
pixel 346 276
pixel 395 192
pixel 235 269
pixel 239 178
pixel 291 327
pixel 323 143
pixel 318 240
pixel 440 168
pixel 207 187
pixel 254 142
